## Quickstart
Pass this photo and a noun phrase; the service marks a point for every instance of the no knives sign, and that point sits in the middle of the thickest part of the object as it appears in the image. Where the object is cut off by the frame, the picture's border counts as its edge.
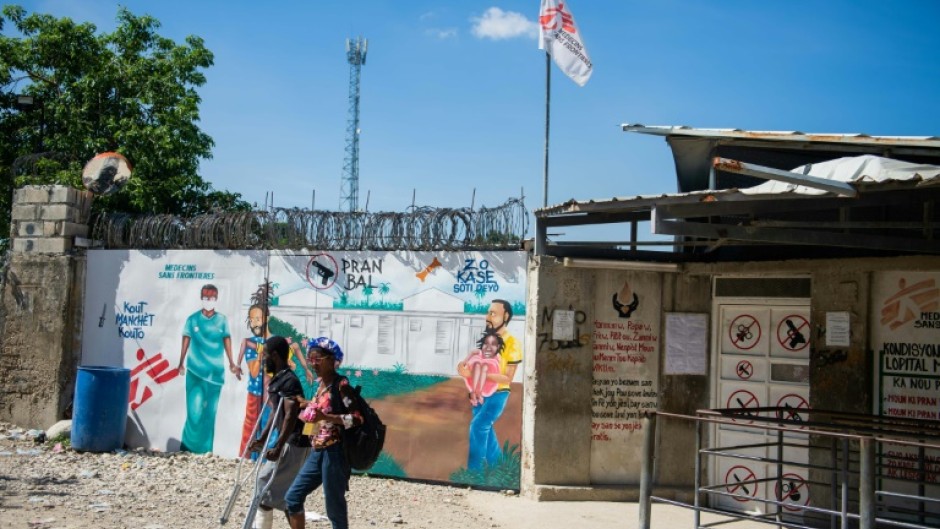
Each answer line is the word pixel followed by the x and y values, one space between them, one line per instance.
pixel 746 331
pixel 741 482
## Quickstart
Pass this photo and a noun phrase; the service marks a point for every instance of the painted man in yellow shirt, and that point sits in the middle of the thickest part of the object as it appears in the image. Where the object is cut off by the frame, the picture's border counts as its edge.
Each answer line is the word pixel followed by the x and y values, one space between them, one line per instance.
pixel 484 447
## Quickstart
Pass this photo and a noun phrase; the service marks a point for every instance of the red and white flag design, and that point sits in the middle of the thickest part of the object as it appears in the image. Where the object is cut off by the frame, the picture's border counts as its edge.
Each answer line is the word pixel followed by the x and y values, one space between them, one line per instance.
pixel 559 36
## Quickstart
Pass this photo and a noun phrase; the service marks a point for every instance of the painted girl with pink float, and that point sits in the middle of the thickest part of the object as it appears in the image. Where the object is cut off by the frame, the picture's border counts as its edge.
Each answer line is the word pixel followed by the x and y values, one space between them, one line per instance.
pixel 481 362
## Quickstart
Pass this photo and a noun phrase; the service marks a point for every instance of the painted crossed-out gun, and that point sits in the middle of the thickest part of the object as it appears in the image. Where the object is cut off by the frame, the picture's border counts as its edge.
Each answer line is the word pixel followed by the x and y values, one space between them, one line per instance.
pixel 324 272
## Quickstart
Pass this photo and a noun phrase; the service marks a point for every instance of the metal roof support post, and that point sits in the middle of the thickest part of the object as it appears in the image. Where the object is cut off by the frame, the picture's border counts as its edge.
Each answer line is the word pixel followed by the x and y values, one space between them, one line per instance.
pixel 633 235
pixel 866 484
pixel 541 236
pixel 646 474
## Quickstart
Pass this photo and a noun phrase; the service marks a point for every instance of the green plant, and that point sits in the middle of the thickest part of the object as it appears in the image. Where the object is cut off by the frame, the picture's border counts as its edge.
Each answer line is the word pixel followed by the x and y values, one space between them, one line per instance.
pixel 63 438
pixel 503 475
pixel 385 465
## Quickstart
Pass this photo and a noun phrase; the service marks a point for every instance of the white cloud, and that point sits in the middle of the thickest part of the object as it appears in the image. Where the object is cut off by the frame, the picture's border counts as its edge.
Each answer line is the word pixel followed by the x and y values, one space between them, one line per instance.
pixel 439 33
pixel 497 24
pixel 427 16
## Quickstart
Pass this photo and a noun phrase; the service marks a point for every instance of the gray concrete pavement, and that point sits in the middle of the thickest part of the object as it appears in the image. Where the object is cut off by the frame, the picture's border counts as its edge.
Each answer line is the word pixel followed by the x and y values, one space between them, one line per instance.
pixel 514 512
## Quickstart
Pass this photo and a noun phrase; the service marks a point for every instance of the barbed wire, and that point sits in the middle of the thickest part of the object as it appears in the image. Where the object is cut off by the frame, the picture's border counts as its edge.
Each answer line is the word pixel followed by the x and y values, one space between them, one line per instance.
pixel 420 229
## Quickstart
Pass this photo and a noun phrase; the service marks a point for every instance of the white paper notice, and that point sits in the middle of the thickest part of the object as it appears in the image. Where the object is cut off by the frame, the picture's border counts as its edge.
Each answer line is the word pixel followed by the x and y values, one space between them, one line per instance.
pixel 838 329
pixel 563 325
pixel 686 344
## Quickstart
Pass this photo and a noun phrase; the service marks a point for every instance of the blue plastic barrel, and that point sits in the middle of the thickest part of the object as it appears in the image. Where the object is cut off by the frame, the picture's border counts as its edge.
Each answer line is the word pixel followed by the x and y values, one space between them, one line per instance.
pixel 99 411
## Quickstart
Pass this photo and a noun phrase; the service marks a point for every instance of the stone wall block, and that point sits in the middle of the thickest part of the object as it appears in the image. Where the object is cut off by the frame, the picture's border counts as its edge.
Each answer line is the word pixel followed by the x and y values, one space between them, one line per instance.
pixel 29 229
pixel 59 212
pixel 83 200
pixel 32 195
pixel 70 229
pixel 51 245
pixel 63 195
pixel 25 212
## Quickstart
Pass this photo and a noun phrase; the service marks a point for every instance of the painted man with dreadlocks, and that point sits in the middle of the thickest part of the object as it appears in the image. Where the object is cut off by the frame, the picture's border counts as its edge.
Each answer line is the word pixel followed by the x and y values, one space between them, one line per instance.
pixel 251 353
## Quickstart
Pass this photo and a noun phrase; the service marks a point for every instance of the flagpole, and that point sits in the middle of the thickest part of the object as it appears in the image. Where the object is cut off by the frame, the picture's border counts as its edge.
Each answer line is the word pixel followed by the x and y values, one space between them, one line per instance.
pixel 548 99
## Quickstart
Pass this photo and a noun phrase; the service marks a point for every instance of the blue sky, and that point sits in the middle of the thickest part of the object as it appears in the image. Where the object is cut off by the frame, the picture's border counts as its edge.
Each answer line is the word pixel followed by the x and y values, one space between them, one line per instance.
pixel 453 92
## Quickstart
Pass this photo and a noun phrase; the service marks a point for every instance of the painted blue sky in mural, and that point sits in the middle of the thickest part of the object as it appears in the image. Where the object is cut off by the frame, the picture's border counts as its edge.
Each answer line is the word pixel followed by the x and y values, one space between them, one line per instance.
pixel 453 92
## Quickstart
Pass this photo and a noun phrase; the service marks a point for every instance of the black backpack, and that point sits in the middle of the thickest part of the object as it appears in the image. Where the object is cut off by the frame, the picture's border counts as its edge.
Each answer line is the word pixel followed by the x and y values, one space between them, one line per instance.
pixel 362 444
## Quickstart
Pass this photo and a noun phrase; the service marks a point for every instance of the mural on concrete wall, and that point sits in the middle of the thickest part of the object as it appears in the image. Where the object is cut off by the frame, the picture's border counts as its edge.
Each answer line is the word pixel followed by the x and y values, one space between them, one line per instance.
pixel 906 339
pixel 175 319
pixel 434 339
pixel 626 344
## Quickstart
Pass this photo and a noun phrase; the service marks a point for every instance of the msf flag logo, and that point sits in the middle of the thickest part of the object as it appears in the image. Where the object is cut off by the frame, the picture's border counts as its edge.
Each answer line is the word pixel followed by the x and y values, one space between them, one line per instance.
pixel 559 36
pixel 909 302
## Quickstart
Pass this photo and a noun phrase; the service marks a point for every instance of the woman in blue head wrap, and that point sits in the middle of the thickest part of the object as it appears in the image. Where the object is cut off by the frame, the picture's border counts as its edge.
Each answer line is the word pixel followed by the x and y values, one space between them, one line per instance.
pixel 331 410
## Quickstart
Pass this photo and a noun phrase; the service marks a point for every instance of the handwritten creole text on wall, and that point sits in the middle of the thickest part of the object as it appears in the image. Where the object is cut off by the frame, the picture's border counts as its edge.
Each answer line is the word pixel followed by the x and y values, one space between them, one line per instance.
pixel 624 385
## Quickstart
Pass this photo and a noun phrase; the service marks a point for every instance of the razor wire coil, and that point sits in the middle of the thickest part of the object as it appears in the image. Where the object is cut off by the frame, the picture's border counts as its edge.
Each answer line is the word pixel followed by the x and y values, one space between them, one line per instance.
pixel 419 229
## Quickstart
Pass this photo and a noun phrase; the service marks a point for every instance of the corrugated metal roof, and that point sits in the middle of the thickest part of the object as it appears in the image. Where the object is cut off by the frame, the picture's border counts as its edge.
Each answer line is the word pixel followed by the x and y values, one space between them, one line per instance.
pixel 859 171
pixel 790 135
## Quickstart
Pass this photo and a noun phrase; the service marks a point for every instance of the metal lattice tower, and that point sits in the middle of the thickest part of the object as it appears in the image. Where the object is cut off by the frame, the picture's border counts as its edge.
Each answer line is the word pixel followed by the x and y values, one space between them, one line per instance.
pixel 349 192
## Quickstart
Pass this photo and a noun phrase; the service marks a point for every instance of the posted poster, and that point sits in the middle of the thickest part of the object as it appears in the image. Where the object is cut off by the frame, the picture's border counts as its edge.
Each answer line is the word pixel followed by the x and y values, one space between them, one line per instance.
pixel 435 340
pixel 626 349
pixel 906 340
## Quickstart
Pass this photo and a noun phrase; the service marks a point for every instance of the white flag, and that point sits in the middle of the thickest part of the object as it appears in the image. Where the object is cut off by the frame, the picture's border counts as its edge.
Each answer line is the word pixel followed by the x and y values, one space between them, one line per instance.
pixel 559 36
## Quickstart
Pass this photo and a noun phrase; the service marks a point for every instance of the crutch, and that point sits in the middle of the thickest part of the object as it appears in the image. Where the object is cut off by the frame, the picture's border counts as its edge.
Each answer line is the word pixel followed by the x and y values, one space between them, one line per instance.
pixel 238 472
pixel 258 494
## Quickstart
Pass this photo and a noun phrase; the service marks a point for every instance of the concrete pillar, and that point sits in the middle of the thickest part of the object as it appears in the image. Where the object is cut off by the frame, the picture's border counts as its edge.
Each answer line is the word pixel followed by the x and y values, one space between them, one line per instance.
pixel 40 330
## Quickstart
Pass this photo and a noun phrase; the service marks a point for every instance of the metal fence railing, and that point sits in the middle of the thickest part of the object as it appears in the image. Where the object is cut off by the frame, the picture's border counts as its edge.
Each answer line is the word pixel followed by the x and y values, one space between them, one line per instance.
pixel 861 471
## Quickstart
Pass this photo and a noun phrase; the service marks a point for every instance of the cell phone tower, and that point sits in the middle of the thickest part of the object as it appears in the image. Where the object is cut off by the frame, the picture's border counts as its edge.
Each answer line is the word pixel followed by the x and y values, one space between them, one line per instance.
pixel 349 192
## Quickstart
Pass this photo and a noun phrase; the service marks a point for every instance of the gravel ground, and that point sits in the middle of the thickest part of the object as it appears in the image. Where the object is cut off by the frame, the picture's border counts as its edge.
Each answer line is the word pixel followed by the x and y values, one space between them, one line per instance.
pixel 45 486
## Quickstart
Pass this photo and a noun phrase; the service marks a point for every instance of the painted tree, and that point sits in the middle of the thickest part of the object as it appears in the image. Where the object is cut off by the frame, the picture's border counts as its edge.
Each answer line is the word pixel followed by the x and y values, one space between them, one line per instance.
pixel 130 91
pixel 367 292
pixel 384 289
pixel 480 294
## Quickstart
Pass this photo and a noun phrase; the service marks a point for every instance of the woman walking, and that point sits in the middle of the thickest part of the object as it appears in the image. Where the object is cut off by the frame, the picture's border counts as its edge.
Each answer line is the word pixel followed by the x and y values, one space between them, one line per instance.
pixel 331 411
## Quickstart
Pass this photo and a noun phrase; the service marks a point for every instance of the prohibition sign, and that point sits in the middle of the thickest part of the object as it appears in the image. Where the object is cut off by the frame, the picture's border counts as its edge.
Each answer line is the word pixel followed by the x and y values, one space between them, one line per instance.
pixel 743 330
pixel 791 404
pixel 736 479
pixel 322 271
pixel 742 399
pixel 794 491
pixel 744 370
pixel 791 332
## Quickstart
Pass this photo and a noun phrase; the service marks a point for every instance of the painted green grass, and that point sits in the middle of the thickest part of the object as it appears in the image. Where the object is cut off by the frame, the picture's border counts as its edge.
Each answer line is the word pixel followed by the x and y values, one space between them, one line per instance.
pixel 379 305
pixel 381 383
pixel 505 475
pixel 385 465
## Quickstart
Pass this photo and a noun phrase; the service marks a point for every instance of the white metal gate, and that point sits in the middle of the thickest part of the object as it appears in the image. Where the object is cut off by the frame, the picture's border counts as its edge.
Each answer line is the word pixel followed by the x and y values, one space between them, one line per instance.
pixel 761 359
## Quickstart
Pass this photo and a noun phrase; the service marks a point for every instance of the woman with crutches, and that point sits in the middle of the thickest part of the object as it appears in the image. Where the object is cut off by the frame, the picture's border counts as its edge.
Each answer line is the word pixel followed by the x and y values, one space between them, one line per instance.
pixel 289 452
pixel 331 410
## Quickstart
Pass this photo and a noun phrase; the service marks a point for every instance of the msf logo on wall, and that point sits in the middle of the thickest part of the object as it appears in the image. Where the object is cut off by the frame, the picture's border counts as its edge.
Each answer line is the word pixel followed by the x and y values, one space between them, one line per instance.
pixel 625 301
pixel 918 303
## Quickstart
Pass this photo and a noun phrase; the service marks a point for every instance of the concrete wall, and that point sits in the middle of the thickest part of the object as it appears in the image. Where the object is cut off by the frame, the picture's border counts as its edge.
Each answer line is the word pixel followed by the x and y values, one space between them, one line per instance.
pixel 557 406
pixel 559 383
pixel 41 302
